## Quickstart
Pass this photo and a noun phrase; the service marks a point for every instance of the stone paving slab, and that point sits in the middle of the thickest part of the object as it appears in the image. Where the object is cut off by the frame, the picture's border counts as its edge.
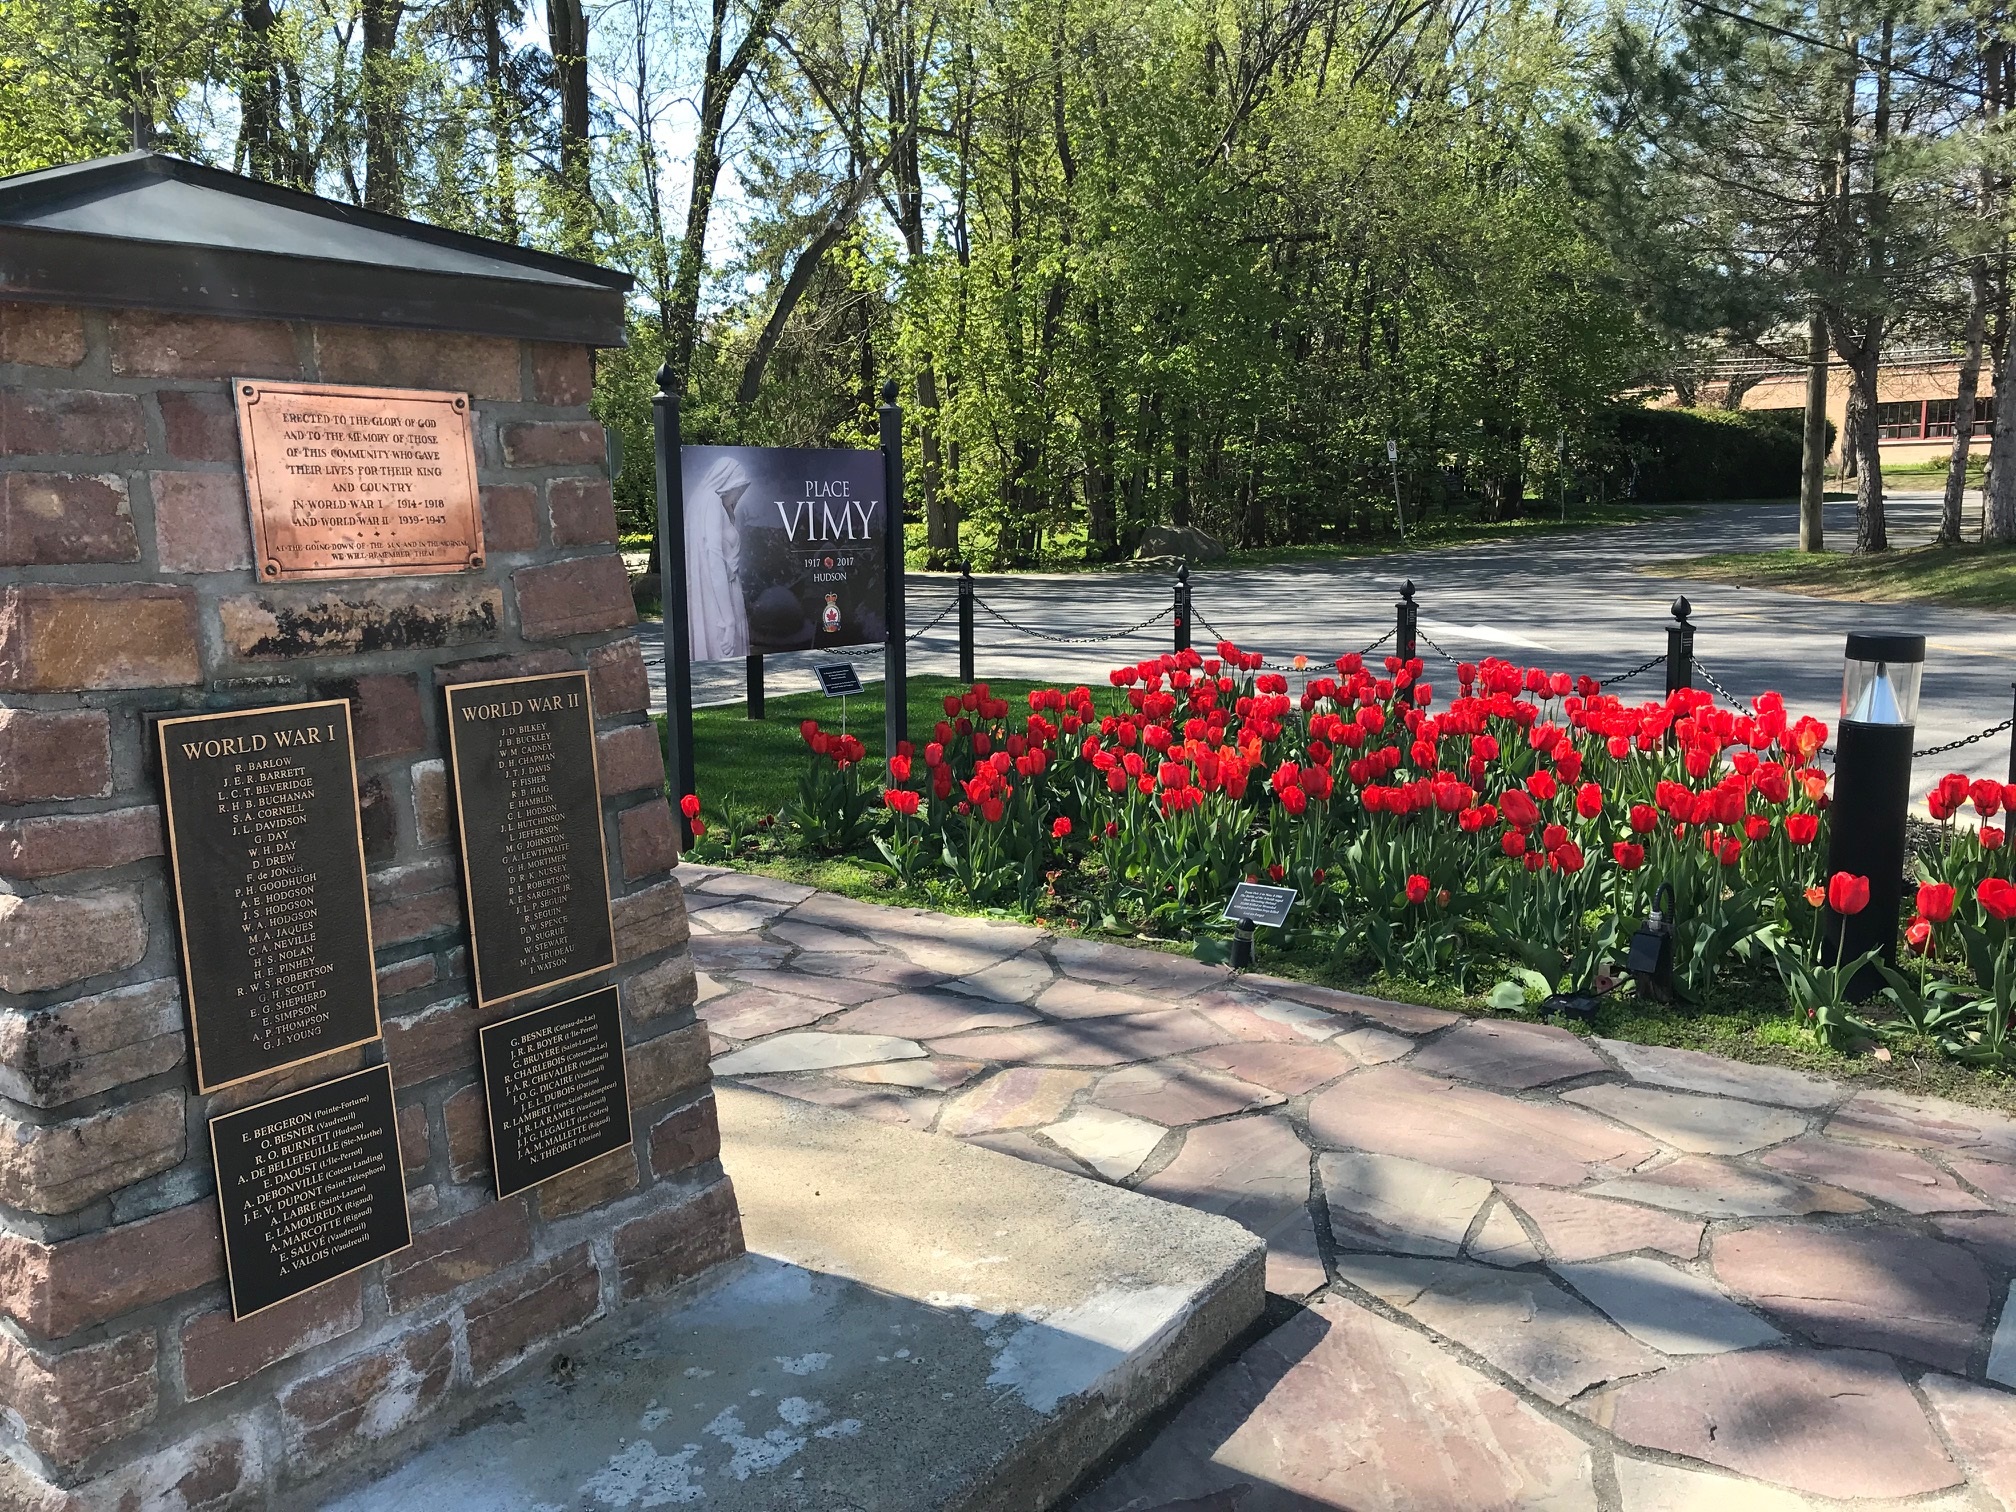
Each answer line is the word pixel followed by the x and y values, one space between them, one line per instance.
pixel 1561 1237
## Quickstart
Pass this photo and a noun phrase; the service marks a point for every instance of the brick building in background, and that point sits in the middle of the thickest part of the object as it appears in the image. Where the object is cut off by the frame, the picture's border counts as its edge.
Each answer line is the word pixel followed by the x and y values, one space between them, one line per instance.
pixel 131 292
pixel 1917 403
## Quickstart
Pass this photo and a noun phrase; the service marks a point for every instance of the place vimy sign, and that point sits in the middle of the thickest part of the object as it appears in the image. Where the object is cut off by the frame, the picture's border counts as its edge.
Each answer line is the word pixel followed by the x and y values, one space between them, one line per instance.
pixel 348 1056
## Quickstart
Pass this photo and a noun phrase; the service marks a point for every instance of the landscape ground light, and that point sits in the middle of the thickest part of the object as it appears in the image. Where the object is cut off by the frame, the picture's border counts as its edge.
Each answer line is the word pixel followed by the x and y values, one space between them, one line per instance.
pixel 1872 793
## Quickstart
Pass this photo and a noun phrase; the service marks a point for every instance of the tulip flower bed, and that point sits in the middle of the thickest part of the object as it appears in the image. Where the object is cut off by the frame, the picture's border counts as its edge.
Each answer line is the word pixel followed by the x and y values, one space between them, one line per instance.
pixel 1507 844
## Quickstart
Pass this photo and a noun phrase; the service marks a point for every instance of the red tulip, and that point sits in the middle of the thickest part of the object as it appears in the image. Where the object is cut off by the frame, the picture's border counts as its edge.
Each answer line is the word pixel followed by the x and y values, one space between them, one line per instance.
pixel 1553 837
pixel 1801 828
pixel 1567 856
pixel 1987 798
pixel 1542 785
pixel 900 801
pixel 1520 809
pixel 1731 851
pixel 1998 896
pixel 1644 818
pixel 1417 889
pixel 1060 827
pixel 1589 800
pixel 1848 895
pixel 1630 856
pixel 1991 837
pixel 1935 901
pixel 1919 935
pixel 690 805
pixel 1756 827
pixel 1513 842
pixel 1815 896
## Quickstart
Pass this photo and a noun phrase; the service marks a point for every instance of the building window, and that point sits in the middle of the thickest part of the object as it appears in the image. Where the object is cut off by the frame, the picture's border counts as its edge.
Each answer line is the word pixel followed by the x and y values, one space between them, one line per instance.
pixel 1901 420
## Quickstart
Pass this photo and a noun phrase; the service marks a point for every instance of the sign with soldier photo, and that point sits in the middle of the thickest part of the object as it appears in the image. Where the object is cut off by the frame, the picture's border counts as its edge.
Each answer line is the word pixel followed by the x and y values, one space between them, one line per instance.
pixel 784 549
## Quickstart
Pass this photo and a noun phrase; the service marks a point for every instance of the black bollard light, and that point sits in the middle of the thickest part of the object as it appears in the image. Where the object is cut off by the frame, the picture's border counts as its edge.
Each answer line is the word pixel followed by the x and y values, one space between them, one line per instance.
pixel 1182 607
pixel 966 622
pixel 1872 793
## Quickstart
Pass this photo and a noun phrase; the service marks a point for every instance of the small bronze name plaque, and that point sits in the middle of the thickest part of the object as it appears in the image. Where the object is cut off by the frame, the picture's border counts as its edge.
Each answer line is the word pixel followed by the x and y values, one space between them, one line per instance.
pixel 268 859
pixel 358 482
pixel 554 1081
pixel 310 1186
pixel 530 807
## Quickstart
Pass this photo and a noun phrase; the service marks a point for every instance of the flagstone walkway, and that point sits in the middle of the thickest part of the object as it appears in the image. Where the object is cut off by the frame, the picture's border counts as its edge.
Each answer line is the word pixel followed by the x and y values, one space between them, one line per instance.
pixel 1537 1271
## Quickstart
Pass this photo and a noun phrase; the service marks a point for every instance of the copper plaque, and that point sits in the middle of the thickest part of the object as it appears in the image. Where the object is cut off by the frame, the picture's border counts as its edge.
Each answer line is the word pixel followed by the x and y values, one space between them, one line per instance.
pixel 358 482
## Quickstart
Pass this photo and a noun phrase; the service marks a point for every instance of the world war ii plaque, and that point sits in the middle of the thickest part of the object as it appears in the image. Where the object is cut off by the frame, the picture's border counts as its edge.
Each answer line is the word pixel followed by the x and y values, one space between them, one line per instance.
pixel 268 859
pixel 310 1186
pixel 530 807
pixel 358 482
pixel 554 1081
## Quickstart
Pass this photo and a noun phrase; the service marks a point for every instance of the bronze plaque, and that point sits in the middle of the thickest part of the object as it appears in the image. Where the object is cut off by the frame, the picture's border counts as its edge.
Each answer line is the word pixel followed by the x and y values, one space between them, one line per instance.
pixel 268 859
pixel 358 482
pixel 554 1082
pixel 529 804
pixel 310 1186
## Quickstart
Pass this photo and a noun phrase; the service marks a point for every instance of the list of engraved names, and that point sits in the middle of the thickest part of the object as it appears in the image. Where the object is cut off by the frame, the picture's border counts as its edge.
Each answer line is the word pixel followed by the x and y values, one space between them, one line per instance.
pixel 308 1197
pixel 558 1078
pixel 532 831
pixel 310 1187
pixel 271 886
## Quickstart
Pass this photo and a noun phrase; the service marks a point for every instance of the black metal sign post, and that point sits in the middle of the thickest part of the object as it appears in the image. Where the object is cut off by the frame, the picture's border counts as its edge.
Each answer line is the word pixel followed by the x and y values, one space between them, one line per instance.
pixel 895 655
pixel 1680 648
pixel 1255 903
pixel 1404 623
pixel 672 595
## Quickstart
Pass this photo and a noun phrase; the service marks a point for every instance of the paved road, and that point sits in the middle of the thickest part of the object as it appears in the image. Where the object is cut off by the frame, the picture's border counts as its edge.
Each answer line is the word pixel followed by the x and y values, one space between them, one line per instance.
pixel 1577 603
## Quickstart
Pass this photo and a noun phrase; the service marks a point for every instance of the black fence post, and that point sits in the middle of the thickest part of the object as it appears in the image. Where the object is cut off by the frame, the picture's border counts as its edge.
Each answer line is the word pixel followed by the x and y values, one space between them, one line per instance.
pixel 672 594
pixel 1182 606
pixel 1405 618
pixel 755 665
pixel 1680 648
pixel 895 652
pixel 966 674
pixel 2012 739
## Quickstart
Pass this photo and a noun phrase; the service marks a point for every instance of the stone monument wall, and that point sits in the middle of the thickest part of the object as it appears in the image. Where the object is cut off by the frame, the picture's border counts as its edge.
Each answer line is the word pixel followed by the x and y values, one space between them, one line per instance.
pixel 127 588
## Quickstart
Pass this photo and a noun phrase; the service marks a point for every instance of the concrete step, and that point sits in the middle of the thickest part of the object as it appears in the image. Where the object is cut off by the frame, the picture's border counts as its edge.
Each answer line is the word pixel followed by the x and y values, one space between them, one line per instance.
pixel 920 1326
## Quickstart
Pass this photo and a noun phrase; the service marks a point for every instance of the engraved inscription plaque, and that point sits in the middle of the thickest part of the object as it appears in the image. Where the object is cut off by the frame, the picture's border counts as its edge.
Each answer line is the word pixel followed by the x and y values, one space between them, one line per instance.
pixel 554 1081
pixel 358 482
pixel 530 808
pixel 268 859
pixel 310 1186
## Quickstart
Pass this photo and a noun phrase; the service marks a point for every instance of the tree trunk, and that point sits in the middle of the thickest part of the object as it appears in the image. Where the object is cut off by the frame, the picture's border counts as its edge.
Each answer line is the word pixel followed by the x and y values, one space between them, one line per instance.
pixel 567 38
pixel 1871 531
pixel 1179 503
pixel 717 88
pixel 384 188
pixel 1999 524
pixel 503 131
pixel 259 95
pixel 1963 408
pixel 1813 454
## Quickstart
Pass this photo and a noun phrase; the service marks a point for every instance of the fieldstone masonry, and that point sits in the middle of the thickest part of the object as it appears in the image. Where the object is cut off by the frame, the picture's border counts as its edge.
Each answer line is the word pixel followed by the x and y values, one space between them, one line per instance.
pixel 126 590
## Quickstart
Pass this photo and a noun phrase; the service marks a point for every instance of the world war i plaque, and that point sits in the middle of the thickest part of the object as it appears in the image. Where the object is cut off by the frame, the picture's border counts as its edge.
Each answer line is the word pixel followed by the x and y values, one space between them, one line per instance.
pixel 268 859
pixel 358 482
pixel 555 1085
pixel 311 1187
pixel 530 808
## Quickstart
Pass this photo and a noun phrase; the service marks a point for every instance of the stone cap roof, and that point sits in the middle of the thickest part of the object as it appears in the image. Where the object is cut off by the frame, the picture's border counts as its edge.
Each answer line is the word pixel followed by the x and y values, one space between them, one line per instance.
pixel 158 232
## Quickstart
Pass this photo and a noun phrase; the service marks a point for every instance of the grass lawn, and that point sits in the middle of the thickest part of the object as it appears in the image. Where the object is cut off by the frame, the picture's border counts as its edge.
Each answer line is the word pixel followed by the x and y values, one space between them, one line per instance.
pixel 755 762
pixel 1967 577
